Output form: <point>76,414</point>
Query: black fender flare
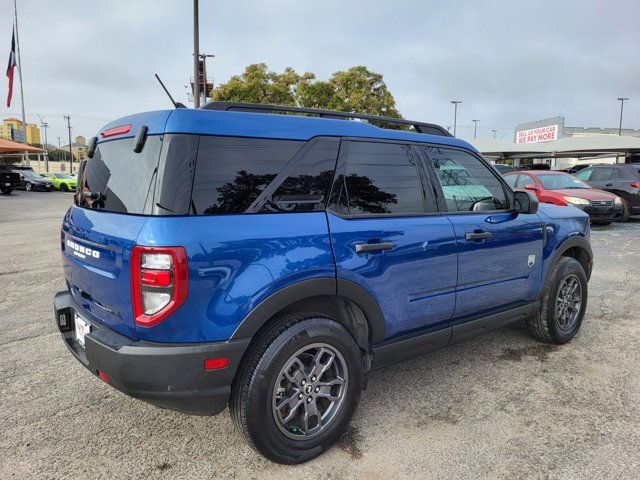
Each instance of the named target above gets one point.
<point>308,290</point>
<point>572,242</point>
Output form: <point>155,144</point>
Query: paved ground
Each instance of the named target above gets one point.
<point>500,406</point>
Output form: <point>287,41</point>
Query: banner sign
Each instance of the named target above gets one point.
<point>535,135</point>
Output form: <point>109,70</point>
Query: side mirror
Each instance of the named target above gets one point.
<point>525,202</point>
<point>531,186</point>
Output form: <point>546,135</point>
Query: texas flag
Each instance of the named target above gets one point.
<point>12,65</point>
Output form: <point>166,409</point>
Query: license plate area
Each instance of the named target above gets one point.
<point>82,329</point>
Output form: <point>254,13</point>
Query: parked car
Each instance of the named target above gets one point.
<point>560,188</point>
<point>9,181</point>
<point>621,179</point>
<point>62,181</point>
<point>30,180</point>
<point>269,262</point>
<point>575,169</point>
<point>504,168</point>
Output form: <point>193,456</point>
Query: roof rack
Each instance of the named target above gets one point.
<point>419,127</point>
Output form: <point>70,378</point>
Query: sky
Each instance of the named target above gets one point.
<point>508,61</point>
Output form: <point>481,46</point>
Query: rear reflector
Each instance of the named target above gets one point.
<point>122,129</point>
<point>635,184</point>
<point>102,376</point>
<point>216,363</point>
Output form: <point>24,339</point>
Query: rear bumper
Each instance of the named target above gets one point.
<point>166,375</point>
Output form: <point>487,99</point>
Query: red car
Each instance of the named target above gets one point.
<point>563,189</point>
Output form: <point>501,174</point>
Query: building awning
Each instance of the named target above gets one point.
<point>563,147</point>
<point>7,146</point>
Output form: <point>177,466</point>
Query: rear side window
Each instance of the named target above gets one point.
<point>119,180</point>
<point>511,179</point>
<point>380,178</point>
<point>232,172</point>
<point>600,174</point>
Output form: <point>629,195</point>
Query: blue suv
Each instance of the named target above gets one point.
<point>267,258</point>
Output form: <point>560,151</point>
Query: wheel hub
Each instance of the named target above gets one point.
<point>309,391</point>
<point>568,302</point>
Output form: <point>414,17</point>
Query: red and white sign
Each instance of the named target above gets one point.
<point>535,135</point>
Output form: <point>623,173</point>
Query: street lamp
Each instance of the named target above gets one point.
<point>44,126</point>
<point>494,133</point>
<point>475,128</point>
<point>455,114</point>
<point>622,100</point>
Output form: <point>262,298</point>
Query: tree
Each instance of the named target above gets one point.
<point>356,90</point>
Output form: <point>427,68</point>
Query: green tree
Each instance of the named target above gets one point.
<point>355,90</point>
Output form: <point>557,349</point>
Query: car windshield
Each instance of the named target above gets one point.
<point>29,174</point>
<point>561,181</point>
<point>64,176</point>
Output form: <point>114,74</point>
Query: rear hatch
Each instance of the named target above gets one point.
<point>116,189</point>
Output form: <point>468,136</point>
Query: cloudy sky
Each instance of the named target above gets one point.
<point>509,61</point>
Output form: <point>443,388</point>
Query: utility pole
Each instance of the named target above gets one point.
<point>494,133</point>
<point>68,118</point>
<point>24,120</point>
<point>64,155</point>
<point>44,126</point>
<point>196,57</point>
<point>455,114</point>
<point>475,128</point>
<point>622,100</point>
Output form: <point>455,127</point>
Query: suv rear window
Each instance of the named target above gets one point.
<point>119,180</point>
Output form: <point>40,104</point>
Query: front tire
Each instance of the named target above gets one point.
<point>298,388</point>
<point>626,210</point>
<point>64,187</point>
<point>564,302</point>
<point>28,187</point>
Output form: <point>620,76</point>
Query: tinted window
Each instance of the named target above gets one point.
<point>615,174</point>
<point>306,180</point>
<point>381,178</point>
<point>600,174</point>
<point>175,175</point>
<point>119,180</point>
<point>467,184</point>
<point>232,172</point>
<point>511,179</point>
<point>584,174</point>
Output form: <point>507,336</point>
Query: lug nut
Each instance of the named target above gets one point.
<point>300,396</point>
<point>317,389</point>
<point>304,382</point>
<point>313,379</point>
<point>309,400</point>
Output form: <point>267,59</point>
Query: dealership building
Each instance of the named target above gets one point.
<point>550,129</point>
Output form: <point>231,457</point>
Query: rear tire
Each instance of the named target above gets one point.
<point>564,302</point>
<point>6,190</point>
<point>298,387</point>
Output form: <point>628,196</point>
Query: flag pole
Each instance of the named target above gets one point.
<point>24,121</point>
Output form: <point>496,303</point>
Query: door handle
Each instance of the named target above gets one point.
<point>609,185</point>
<point>477,236</point>
<point>372,247</point>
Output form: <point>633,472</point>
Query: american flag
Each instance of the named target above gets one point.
<point>12,65</point>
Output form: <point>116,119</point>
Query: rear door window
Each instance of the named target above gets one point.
<point>119,180</point>
<point>380,178</point>
<point>601,174</point>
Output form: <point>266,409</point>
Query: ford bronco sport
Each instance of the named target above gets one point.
<point>267,258</point>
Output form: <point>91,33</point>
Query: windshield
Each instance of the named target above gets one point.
<point>29,174</point>
<point>561,181</point>
<point>64,176</point>
<point>119,180</point>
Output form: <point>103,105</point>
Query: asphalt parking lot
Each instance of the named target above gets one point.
<point>499,406</point>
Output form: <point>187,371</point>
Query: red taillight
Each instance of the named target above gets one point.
<point>216,363</point>
<point>159,283</point>
<point>635,184</point>
<point>122,129</point>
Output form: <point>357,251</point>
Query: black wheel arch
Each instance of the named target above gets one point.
<point>348,303</point>
<point>577,247</point>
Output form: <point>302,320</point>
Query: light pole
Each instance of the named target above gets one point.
<point>204,57</point>
<point>44,126</point>
<point>455,114</point>
<point>475,128</point>
<point>622,100</point>
<point>196,57</point>
<point>494,133</point>
<point>68,118</point>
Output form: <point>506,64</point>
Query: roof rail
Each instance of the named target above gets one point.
<point>419,127</point>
